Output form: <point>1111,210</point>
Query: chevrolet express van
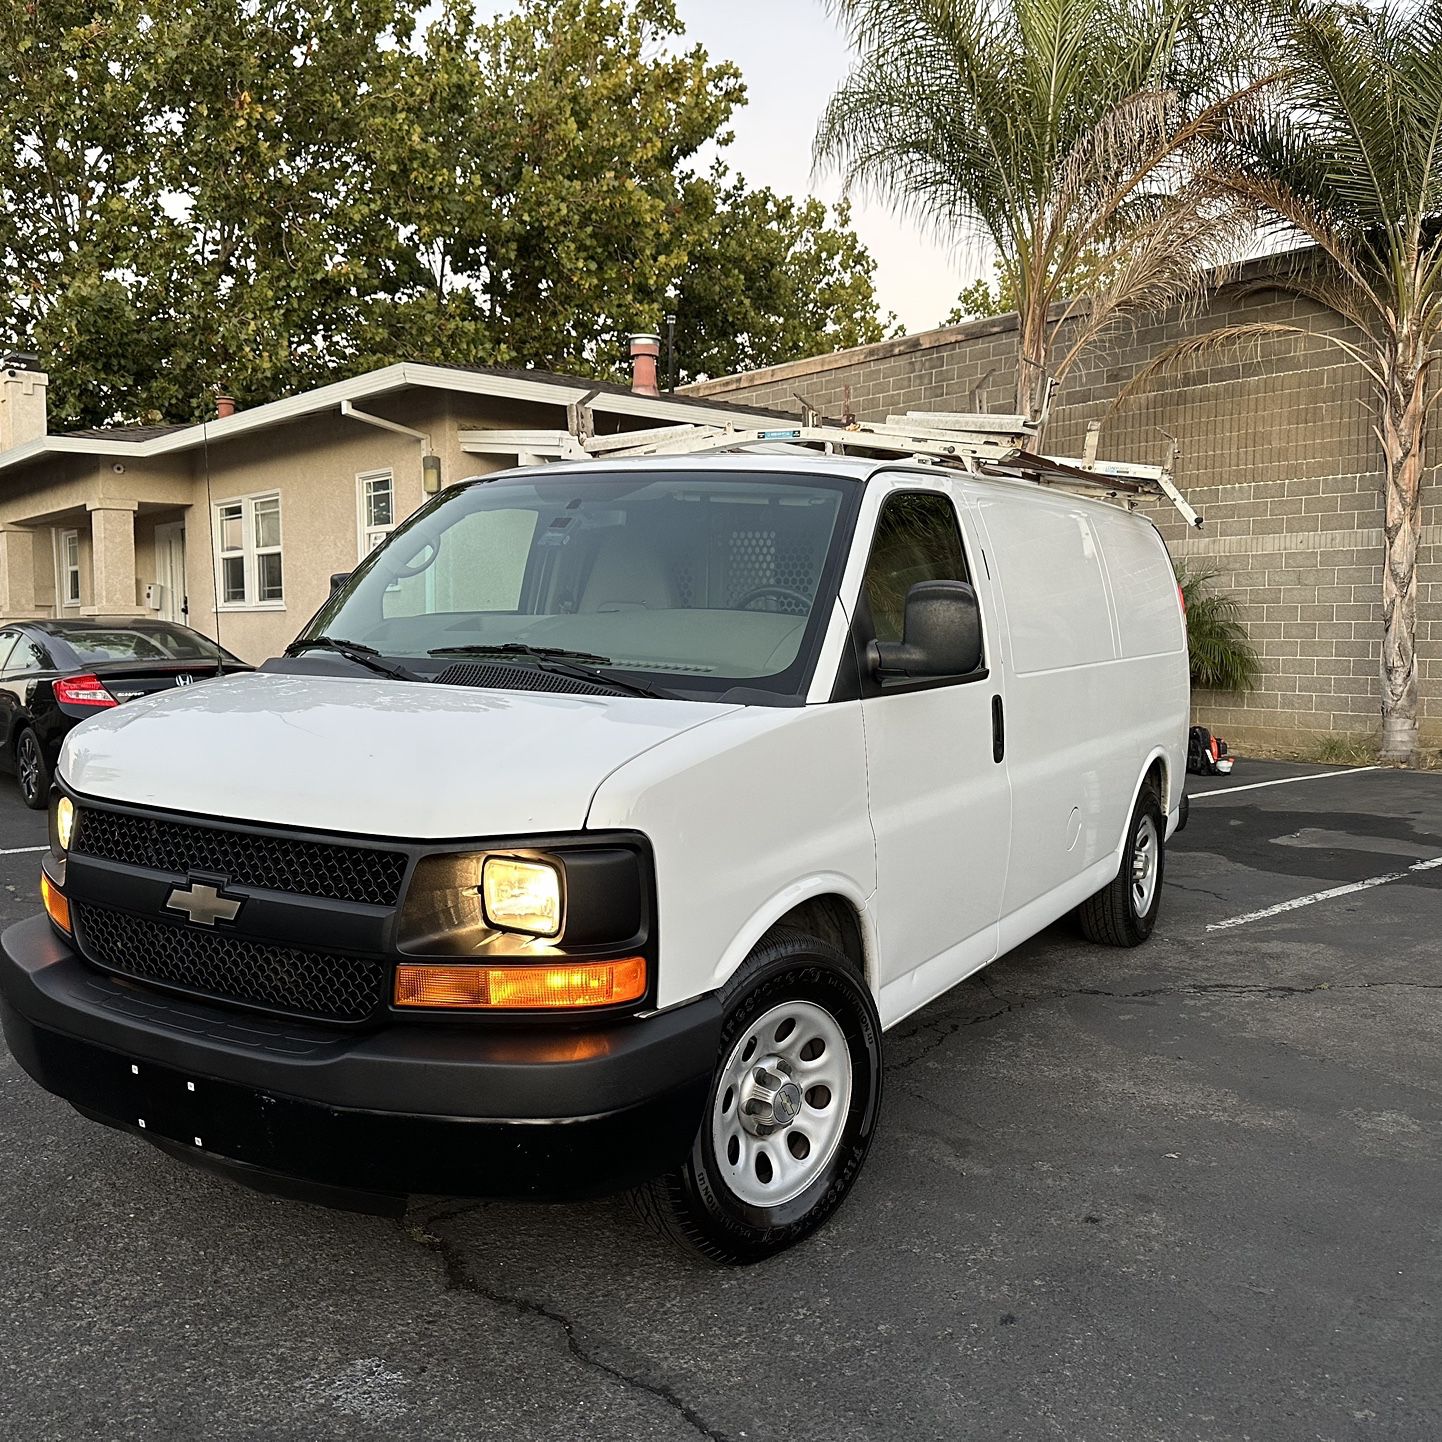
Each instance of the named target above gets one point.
<point>597,829</point>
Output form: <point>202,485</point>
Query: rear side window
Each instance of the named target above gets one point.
<point>122,643</point>
<point>27,655</point>
<point>7,644</point>
<point>917,539</point>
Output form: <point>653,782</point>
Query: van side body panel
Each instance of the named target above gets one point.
<point>1096,689</point>
<point>769,811</point>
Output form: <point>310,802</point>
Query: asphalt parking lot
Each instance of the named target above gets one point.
<point>1190,1191</point>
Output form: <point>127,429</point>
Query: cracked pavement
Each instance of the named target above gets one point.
<point>1185,1192</point>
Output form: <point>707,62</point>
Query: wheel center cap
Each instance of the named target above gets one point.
<point>787,1105</point>
<point>770,1100</point>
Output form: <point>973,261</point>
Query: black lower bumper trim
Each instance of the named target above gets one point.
<point>508,1112</point>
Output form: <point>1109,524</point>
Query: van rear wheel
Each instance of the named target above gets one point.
<point>1124,911</point>
<point>791,1111</point>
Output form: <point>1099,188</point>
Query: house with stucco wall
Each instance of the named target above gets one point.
<point>234,526</point>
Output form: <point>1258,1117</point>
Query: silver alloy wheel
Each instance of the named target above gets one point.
<point>1146,856</point>
<point>28,765</point>
<point>781,1103</point>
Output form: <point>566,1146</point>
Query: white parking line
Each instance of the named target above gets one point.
<point>23,850</point>
<point>1284,781</point>
<point>1327,895</point>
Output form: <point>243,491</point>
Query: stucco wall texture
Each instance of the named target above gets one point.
<point>1276,452</point>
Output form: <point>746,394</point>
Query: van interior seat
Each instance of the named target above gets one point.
<point>626,575</point>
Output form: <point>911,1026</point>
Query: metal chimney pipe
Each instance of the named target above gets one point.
<point>645,364</point>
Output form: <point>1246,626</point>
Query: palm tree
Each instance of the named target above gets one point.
<point>1074,135</point>
<point>1348,160</point>
<point>1221,653</point>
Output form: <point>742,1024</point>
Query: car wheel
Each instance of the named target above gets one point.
<point>32,771</point>
<point>791,1112</point>
<point>1124,911</point>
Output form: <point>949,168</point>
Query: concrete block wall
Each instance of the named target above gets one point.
<point>1276,451</point>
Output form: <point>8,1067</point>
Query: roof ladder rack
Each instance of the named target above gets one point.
<point>984,444</point>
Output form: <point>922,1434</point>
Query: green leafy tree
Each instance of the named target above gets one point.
<point>772,279</point>
<point>79,203</point>
<point>983,299</point>
<point>264,197</point>
<point>1074,135</point>
<point>1349,158</point>
<point>203,211</point>
<point>540,178</point>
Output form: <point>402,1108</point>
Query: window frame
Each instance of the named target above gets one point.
<point>369,537</point>
<point>250,551</point>
<point>863,629</point>
<point>65,569</point>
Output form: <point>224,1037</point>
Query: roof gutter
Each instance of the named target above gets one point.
<point>430,461</point>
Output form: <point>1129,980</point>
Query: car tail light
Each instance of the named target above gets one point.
<point>83,691</point>
<point>1182,600</point>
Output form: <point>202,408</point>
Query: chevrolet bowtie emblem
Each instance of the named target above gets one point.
<point>203,904</point>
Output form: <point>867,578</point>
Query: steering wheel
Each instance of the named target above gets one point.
<point>784,593</point>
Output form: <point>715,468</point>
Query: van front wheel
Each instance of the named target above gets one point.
<point>1124,911</point>
<point>792,1108</point>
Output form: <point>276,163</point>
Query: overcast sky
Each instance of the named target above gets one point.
<point>793,57</point>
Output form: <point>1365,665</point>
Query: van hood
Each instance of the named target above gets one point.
<point>370,756</point>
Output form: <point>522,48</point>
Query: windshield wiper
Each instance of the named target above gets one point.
<point>366,656</point>
<point>517,648</point>
<point>580,665</point>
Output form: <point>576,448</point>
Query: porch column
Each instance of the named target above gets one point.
<point>17,572</point>
<point>112,559</point>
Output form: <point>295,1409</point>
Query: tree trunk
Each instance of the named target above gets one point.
<point>1403,433</point>
<point>1032,380</point>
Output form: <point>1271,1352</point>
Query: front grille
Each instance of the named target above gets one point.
<point>249,858</point>
<point>319,984</point>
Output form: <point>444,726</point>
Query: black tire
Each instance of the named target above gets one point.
<point>1115,915</point>
<point>32,770</point>
<point>694,1205</point>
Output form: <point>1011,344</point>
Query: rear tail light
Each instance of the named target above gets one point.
<point>83,691</point>
<point>1182,599</point>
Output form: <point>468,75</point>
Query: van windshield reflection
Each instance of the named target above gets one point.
<point>694,583</point>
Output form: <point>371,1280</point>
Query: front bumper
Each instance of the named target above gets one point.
<point>505,1110</point>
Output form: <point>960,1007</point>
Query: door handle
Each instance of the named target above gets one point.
<point>998,730</point>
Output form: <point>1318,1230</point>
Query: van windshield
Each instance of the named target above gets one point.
<point>696,583</point>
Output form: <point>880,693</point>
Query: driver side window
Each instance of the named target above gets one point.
<point>917,539</point>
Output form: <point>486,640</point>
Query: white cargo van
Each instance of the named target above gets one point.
<point>600,825</point>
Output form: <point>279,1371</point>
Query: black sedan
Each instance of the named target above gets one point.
<point>55,674</point>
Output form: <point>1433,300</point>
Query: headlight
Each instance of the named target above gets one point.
<point>64,822</point>
<point>522,895</point>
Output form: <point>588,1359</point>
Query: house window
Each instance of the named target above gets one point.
<point>376,494</point>
<point>248,563</point>
<point>70,568</point>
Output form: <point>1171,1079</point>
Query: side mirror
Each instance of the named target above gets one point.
<point>338,580</point>
<point>941,635</point>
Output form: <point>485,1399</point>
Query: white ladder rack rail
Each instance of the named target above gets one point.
<point>983,444</point>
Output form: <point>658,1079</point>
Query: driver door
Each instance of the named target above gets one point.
<point>940,798</point>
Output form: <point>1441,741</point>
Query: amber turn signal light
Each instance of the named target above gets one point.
<point>56,904</point>
<point>522,988</point>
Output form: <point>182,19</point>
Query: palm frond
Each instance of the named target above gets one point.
<point>1221,653</point>
<point>1232,336</point>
